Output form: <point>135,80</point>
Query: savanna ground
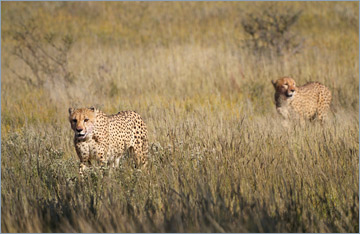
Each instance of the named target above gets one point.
<point>220,162</point>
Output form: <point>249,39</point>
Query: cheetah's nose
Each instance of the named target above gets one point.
<point>292,90</point>
<point>79,129</point>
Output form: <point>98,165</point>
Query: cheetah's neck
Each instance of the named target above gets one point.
<point>283,101</point>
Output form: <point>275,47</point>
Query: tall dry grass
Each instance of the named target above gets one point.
<point>219,160</point>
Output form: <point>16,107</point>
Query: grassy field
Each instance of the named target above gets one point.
<point>220,162</point>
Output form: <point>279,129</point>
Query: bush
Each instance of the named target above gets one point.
<point>269,32</point>
<point>43,53</point>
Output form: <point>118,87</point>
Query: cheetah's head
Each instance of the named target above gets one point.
<point>285,86</point>
<point>82,121</point>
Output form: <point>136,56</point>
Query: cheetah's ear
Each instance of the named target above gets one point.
<point>92,108</point>
<point>71,110</point>
<point>274,83</point>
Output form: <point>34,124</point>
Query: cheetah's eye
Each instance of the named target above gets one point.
<point>74,120</point>
<point>85,120</point>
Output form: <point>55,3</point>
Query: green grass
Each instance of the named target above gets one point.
<point>220,162</point>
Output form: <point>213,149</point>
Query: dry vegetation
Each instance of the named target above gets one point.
<point>220,162</point>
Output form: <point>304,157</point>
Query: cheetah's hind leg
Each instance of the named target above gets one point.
<point>324,107</point>
<point>133,154</point>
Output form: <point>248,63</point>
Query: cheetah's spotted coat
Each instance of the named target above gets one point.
<point>106,137</point>
<point>304,102</point>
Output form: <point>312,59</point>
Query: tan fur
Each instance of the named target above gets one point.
<point>106,137</point>
<point>304,102</point>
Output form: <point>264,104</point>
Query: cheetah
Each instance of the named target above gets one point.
<point>105,138</point>
<point>304,102</point>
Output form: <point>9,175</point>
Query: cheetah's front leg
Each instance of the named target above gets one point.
<point>84,155</point>
<point>83,167</point>
<point>101,155</point>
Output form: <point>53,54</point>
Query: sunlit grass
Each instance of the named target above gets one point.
<point>220,162</point>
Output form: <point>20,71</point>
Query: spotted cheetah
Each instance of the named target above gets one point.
<point>304,102</point>
<point>105,138</point>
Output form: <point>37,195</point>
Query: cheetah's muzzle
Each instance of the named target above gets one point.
<point>81,135</point>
